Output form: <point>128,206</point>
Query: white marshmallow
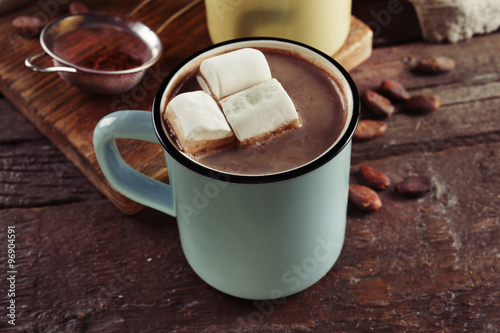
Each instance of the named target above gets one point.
<point>198,122</point>
<point>260,110</point>
<point>234,71</point>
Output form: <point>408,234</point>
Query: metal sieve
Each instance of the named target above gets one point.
<point>101,53</point>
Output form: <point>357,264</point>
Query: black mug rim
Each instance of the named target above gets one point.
<point>253,179</point>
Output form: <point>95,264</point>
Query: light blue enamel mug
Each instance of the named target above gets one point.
<point>250,236</point>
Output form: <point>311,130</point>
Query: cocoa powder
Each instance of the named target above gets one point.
<point>111,60</point>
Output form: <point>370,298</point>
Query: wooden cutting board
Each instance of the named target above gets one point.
<point>68,116</point>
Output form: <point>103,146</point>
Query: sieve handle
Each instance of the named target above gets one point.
<point>29,63</point>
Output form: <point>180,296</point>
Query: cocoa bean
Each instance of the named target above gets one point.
<point>77,7</point>
<point>369,129</point>
<point>374,178</point>
<point>394,90</point>
<point>423,103</point>
<point>435,65</point>
<point>414,186</point>
<point>364,198</point>
<point>28,26</point>
<point>377,103</point>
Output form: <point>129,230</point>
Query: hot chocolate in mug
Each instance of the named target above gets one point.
<point>254,236</point>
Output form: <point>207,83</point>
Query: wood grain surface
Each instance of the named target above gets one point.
<point>469,97</point>
<point>429,264</point>
<point>68,116</point>
<point>415,265</point>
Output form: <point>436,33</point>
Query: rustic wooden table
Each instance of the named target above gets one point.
<point>427,264</point>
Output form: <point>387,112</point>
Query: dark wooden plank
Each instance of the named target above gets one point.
<point>32,171</point>
<point>470,94</point>
<point>14,127</point>
<point>37,174</point>
<point>415,265</point>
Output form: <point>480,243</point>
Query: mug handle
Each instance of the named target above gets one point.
<point>138,125</point>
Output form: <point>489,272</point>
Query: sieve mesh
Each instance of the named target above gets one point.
<point>109,53</point>
<point>77,38</point>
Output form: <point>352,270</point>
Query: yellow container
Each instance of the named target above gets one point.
<point>323,24</point>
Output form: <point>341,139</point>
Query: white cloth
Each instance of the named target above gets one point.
<point>456,20</point>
